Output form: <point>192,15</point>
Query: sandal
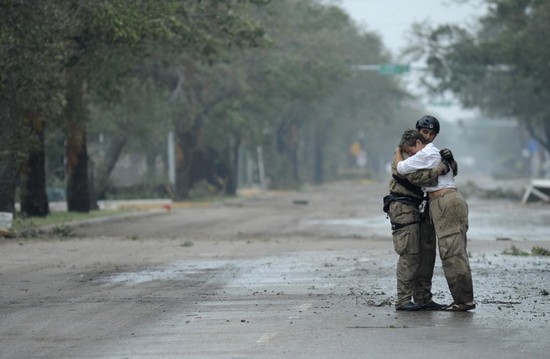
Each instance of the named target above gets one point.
<point>455,307</point>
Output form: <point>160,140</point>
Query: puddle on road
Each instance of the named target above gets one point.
<point>143,276</point>
<point>177,271</point>
<point>373,226</point>
<point>488,221</point>
<point>273,272</point>
<point>266,271</point>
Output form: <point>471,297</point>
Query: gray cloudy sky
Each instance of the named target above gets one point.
<point>392,19</point>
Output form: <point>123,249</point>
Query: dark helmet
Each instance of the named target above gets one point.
<point>429,122</point>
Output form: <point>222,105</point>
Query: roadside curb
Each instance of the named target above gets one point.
<point>106,219</point>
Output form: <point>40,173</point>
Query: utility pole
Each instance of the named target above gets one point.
<point>171,163</point>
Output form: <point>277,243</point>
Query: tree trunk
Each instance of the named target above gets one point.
<point>319,159</point>
<point>114,150</point>
<point>34,198</point>
<point>9,172</point>
<point>78,192</point>
<point>187,145</point>
<point>287,172</point>
<point>233,169</point>
<point>293,141</point>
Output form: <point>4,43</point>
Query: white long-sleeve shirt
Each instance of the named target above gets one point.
<point>428,157</point>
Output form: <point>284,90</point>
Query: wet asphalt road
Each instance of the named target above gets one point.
<point>336,305</point>
<point>286,283</point>
<point>320,304</point>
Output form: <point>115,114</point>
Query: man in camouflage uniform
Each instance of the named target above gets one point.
<point>449,213</point>
<point>412,230</point>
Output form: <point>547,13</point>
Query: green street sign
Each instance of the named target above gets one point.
<point>393,69</point>
<point>441,103</point>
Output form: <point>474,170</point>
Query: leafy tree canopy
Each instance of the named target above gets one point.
<point>501,65</point>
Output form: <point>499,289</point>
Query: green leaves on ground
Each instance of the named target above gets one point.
<point>535,251</point>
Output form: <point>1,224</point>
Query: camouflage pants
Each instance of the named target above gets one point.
<point>450,216</point>
<point>416,246</point>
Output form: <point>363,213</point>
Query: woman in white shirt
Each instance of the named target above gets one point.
<point>449,212</point>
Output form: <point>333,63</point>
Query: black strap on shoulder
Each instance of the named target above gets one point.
<point>408,185</point>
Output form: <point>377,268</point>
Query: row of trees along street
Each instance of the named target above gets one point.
<point>84,82</point>
<point>500,64</point>
<point>221,75</point>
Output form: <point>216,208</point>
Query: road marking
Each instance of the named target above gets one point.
<point>301,308</point>
<point>266,337</point>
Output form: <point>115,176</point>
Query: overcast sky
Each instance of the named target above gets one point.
<point>392,20</point>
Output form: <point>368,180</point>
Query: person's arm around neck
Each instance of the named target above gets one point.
<point>398,155</point>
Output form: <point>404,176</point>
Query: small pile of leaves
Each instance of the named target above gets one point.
<point>539,251</point>
<point>535,251</point>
